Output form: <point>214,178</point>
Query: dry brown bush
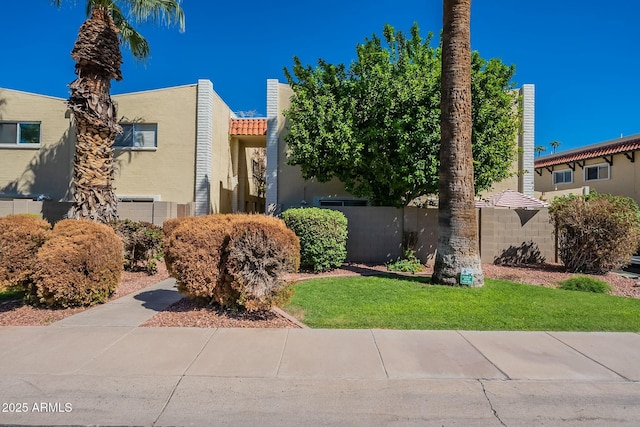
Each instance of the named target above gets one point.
<point>20,238</point>
<point>260,252</point>
<point>79,265</point>
<point>234,260</point>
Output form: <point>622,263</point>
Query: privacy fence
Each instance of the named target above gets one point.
<point>376,234</point>
<point>153,212</point>
<point>379,234</point>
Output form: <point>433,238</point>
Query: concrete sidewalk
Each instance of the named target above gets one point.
<point>100,368</point>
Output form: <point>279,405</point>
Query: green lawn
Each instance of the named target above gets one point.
<point>412,303</point>
<point>10,293</point>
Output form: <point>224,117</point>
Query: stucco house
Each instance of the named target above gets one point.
<point>180,144</point>
<point>184,145</point>
<point>606,167</point>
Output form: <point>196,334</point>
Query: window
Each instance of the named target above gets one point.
<point>596,172</point>
<point>338,202</point>
<point>563,177</point>
<point>19,133</point>
<point>137,135</point>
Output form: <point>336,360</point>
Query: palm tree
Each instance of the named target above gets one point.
<point>539,150</point>
<point>457,227</point>
<point>98,59</point>
<point>554,145</point>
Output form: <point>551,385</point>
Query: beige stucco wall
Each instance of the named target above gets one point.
<point>168,171</point>
<point>221,170</point>
<point>624,179</point>
<point>37,170</point>
<point>292,189</point>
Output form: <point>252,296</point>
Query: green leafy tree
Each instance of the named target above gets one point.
<point>375,125</point>
<point>554,146</point>
<point>98,59</point>
<point>540,149</point>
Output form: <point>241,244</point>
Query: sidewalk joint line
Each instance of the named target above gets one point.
<point>588,357</point>
<point>184,374</point>
<point>484,355</point>
<point>379,354</point>
<point>284,346</point>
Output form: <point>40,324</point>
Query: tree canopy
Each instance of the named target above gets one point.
<point>375,125</point>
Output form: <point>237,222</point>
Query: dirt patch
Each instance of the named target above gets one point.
<point>14,313</point>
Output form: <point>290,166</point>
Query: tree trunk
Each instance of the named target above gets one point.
<point>98,59</point>
<point>457,222</point>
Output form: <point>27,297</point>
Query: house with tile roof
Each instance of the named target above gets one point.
<point>606,167</point>
<point>180,144</point>
<point>184,145</point>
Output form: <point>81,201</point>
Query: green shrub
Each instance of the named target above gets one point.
<point>142,242</point>
<point>585,284</point>
<point>20,238</point>
<point>322,234</point>
<point>409,264</point>
<point>233,260</point>
<point>596,233</point>
<point>79,265</point>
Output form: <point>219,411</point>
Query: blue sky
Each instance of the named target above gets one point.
<point>583,56</point>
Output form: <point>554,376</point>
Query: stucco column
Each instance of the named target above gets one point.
<point>234,179</point>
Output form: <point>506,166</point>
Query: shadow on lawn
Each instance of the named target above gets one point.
<point>367,271</point>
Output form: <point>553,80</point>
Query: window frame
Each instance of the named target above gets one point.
<point>133,133</point>
<point>563,171</point>
<point>18,132</point>
<point>598,166</point>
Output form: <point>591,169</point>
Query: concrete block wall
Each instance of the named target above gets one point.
<point>153,212</point>
<point>376,234</point>
<point>516,235</point>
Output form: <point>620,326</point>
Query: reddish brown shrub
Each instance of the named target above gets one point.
<point>20,238</point>
<point>235,260</point>
<point>79,265</point>
<point>193,250</point>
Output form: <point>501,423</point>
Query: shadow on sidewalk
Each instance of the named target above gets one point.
<point>158,299</point>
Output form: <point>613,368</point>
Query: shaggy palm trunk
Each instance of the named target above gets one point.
<point>98,59</point>
<point>457,223</point>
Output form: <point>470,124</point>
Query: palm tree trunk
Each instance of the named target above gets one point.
<point>457,222</point>
<point>98,59</point>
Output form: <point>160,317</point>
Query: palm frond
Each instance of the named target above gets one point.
<point>167,12</point>
<point>129,37</point>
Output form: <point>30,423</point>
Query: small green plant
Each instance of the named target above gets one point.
<point>408,264</point>
<point>322,234</point>
<point>142,242</point>
<point>585,284</point>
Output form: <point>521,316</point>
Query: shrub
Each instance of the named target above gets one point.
<point>322,234</point>
<point>142,242</point>
<point>79,265</point>
<point>409,264</point>
<point>585,284</point>
<point>234,260</point>
<point>260,251</point>
<point>20,238</point>
<point>596,233</point>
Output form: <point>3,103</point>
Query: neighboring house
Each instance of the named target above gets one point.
<point>607,167</point>
<point>184,145</point>
<point>286,188</point>
<point>180,144</point>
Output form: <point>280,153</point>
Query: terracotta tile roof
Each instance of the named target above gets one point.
<point>617,146</point>
<point>512,199</point>
<point>248,127</point>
